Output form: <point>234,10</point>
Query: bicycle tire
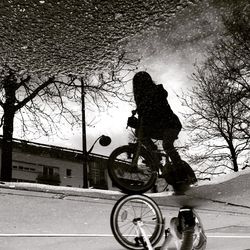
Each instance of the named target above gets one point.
<point>130,207</point>
<point>125,177</point>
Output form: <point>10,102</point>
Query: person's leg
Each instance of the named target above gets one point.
<point>169,169</point>
<point>187,224</point>
<point>180,175</point>
<point>151,147</point>
<point>149,144</point>
<point>169,136</point>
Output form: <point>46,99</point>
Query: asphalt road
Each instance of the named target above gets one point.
<point>36,221</point>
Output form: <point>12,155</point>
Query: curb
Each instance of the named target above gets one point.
<point>60,190</point>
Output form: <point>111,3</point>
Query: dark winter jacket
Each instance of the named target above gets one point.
<point>155,111</point>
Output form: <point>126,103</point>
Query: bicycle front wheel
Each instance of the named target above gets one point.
<point>132,177</point>
<point>133,208</point>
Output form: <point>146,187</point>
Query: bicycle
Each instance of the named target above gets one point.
<point>137,223</point>
<point>133,168</point>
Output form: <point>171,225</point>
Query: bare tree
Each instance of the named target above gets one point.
<point>231,54</point>
<point>219,102</point>
<point>42,103</point>
<point>215,120</point>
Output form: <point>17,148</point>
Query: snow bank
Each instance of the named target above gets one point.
<point>54,189</point>
<point>94,192</point>
<point>224,178</point>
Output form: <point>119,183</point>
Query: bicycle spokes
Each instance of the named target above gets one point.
<point>132,172</point>
<point>137,222</point>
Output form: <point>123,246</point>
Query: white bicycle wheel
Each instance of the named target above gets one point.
<point>129,209</point>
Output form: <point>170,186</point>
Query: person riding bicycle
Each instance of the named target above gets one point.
<point>181,232</point>
<point>158,121</point>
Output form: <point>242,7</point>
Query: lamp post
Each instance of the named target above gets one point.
<point>103,140</point>
<point>84,140</point>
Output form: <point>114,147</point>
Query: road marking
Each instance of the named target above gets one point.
<point>109,235</point>
<point>56,235</point>
<point>230,236</point>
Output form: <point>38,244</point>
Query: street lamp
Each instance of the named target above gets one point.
<point>84,141</point>
<point>103,139</point>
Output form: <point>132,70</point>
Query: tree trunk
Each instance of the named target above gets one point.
<point>234,157</point>
<point>235,164</point>
<point>6,160</point>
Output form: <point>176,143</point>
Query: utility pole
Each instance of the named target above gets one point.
<point>84,140</point>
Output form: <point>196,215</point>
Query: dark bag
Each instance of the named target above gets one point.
<point>133,122</point>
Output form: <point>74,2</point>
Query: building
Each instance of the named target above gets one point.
<point>35,162</point>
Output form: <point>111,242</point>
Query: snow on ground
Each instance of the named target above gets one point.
<point>224,178</point>
<point>54,189</point>
<point>90,191</point>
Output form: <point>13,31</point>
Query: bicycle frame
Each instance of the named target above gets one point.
<point>139,139</point>
<point>141,233</point>
<point>154,155</point>
<point>138,145</point>
<point>138,149</point>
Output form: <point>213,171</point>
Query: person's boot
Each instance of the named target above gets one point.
<point>185,177</point>
<point>180,175</point>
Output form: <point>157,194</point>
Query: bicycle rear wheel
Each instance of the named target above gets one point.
<point>131,208</point>
<point>129,177</point>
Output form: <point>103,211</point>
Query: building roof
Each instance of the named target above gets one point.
<point>50,150</point>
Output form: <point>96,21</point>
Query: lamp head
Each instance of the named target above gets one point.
<point>104,140</point>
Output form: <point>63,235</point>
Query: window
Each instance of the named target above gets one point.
<point>97,175</point>
<point>22,168</point>
<point>50,170</point>
<point>68,173</point>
